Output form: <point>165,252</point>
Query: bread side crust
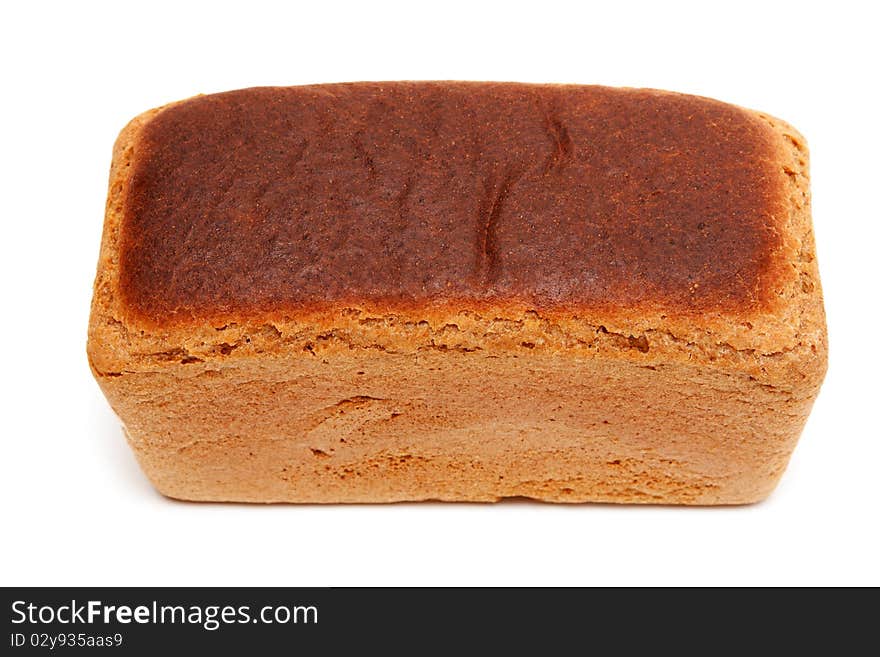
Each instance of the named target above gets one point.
<point>109,340</point>
<point>458,426</point>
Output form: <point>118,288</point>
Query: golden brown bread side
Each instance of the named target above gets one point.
<point>464,291</point>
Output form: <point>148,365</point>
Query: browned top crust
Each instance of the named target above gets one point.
<point>572,197</point>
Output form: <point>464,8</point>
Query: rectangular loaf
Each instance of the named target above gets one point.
<point>377,292</point>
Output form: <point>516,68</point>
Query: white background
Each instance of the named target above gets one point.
<point>75,507</point>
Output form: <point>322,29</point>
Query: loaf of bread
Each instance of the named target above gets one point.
<point>378,292</point>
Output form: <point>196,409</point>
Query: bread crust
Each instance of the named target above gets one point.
<point>742,363</point>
